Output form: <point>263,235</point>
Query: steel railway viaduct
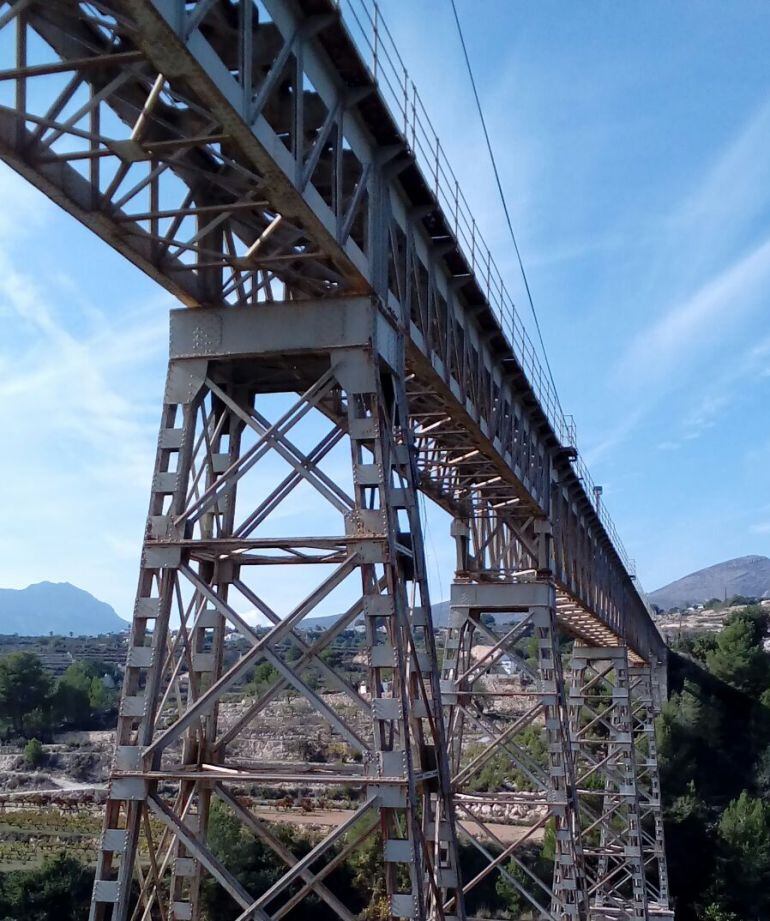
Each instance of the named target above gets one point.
<point>269,162</point>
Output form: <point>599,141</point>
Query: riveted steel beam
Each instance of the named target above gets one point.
<point>215,444</point>
<point>246,161</point>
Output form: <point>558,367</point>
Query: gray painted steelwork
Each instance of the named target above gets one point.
<point>246,157</point>
<point>287,172</point>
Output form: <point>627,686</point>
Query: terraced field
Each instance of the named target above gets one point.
<point>30,833</point>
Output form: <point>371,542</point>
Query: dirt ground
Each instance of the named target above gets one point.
<point>329,818</point>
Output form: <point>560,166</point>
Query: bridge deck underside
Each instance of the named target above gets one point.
<point>242,152</point>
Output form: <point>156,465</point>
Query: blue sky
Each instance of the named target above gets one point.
<point>633,143</point>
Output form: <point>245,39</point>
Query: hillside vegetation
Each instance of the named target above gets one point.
<point>33,704</point>
<point>714,741</point>
<point>714,744</point>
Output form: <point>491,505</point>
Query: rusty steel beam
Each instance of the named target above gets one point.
<point>280,177</point>
<point>274,196</point>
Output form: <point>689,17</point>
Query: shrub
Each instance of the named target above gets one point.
<point>33,753</point>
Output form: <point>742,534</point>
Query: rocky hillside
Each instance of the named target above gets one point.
<point>746,575</point>
<point>55,607</point>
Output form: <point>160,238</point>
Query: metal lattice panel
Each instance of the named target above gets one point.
<point>206,545</point>
<point>244,155</point>
<point>646,699</point>
<point>601,731</point>
<point>242,152</point>
<point>474,711</point>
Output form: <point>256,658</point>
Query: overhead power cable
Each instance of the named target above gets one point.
<point>505,203</point>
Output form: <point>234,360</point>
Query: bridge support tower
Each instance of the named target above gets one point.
<point>265,411</point>
<point>601,728</point>
<point>648,691</point>
<point>505,704</point>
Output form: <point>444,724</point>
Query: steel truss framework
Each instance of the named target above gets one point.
<point>205,548</point>
<point>208,540</point>
<point>241,154</point>
<point>611,707</point>
<point>648,690</point>
<point>473,707</point>
<point>598,725</point>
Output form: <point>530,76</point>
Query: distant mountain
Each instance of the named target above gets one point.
<point>55,607</point>
<point>440,613</point>
<point>746,575</point>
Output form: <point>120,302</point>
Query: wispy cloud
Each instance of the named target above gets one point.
<point>679,347</point>
<point>723,387</point>
<point>613,437</point>
<point>78,375</point>
<point>718,293</point>
<point>78,401</point>
<point>721,209</point>
<point>699,324</point>
<point>20,198</point>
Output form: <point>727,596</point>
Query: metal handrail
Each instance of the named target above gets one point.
<point>371,34</point>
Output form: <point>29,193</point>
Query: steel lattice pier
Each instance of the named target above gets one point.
<point>270,164</point>
<point>207,544</point>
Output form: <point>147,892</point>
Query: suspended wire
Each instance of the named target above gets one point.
<point>505,203</point>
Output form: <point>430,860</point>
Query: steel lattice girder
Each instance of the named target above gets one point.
<point>601,733</point>
<point>239,152</point>
<point>477,707</point>
<point>646,685</point>
<point>205,546</point>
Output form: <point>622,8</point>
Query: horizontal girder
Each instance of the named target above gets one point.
<point>242,152</point>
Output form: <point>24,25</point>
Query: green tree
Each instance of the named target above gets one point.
<point>738,600</point>
<point>81,696</point>
<point>262,678</point>
<point>680,732</point>
<point>704,644</point>
<point>715,912</point>
<point>714,751</point>
<point>762,774</point>
<point>739,657</point>
<point>25,689</point>
<point>368,874</point>
<point>71,703</point>
<point>33,753</point>
<point>517,886</point>
<point>744,857</point>
<point>100,697</point>
<point>690,851</point>
<point>253,863</point>
<point>60,889</point>
<point>507,888</point>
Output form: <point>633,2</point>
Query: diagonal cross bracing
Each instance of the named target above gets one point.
<point>480,695</point>
<point>244,155</point>
<point>212,156</point>
<point>174,743</point>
